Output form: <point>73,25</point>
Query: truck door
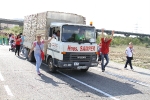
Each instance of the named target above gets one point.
<point>54,45</point>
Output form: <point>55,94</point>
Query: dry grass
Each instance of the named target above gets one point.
<point>141,57</point>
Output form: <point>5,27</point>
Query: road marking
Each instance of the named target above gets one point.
<point>8,90</point>
<point>100,91</point>
<point>1,77</point>
<point>125,78</point>
<point>129,79</point>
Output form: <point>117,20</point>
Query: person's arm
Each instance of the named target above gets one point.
<point>102,33</point>
<point>18,39</point>
<point>46,41</point>
<point>126,52</point>
<point>31,50</point>
<point>112,34</point>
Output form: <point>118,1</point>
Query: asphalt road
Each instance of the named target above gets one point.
<point>19,81</point>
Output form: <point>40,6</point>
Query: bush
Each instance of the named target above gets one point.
<point>118,40</point>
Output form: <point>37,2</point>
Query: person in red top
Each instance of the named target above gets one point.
<point>105,49</point>
<point>18,41</point>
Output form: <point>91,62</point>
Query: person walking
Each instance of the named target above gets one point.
<point>129,56</point>
<point>1,39</point>
<point>18,41</point>
<point>99,53</point>
<point>21,44</point>
<point>38,45</point>
<point>105,49</point>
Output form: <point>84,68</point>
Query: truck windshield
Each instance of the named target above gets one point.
<point>74,33</point>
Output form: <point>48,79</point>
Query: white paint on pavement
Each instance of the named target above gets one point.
<point>129,79</point>
<point>8,90</point>
<point>100,91</point>
<point>125,78</point>
<point>1,77</point>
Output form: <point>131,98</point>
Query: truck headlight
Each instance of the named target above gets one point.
<point>64,64</point>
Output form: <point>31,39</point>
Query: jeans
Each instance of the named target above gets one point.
<point>107,60</point>
<point>129,61</point>
<point>38,61</point>
<point>22,48</point>
<point>17,49</point>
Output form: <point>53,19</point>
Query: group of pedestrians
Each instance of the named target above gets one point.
<point>4,38</point>
<point>103,51</point>
<point>17,43</point>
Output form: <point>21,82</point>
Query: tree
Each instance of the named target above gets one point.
<point>17,29</point>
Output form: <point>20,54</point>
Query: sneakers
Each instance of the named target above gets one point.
<point>132,69</point>
<point>39,73</point>
<point>125,68</point>
<point>103,70</point>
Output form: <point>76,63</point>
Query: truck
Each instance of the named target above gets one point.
<point>63,51</point>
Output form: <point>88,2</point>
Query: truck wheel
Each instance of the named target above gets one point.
<point>51,66</point>
<point>25,52</point>
<point>84,70</point>
<point>31,58</point>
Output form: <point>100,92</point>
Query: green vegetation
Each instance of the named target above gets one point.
<point>120,41</point>
<point>15,30</point>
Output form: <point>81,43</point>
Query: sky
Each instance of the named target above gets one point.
<point>119,15</point>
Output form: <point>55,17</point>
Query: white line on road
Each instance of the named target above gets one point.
<point>129,79</point>
<point>100,91</point>
<point>1,77</point>
<point>8,90</point>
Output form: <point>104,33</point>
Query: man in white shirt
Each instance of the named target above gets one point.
<point>129,55</point>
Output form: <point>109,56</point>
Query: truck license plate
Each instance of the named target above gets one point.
<point>76,63</point>
<point>81,67</point>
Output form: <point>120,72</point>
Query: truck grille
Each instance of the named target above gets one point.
<point>78,57</point>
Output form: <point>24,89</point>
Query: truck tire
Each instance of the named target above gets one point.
<point>31,58</point>
<point>51,66</point>
<point>25,50</point>
<point>84,70</point>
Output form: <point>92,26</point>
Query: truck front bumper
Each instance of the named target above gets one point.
<point>77,65</point>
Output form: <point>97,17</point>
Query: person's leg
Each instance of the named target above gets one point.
<point>22,50</point>
<point>99,59</point>
<point>130,63</point>
<point>102,62</point>
<point>38,62</point>
<point>0,41</point>
<point>107,59</point>
<point>126,62</point>
<point>18,49</point>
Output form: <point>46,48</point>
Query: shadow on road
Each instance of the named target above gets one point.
<point>20,57</point>
<point>134,70</point>
<point>45,78</point>
<point>142,73</point>
<point>99,81</point>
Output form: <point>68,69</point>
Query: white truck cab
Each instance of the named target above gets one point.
<point>67,51</point>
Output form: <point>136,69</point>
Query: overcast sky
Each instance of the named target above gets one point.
<point>120,15</point>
